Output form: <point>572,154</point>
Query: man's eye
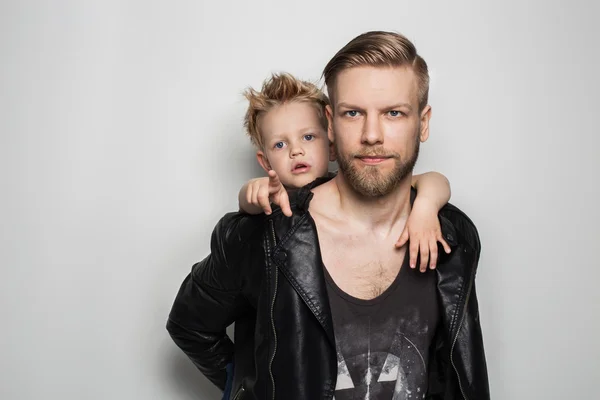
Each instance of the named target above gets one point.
<point>308,138</point>
<point>279,145</point>
<point>351,113</point>
<point>395,113</point>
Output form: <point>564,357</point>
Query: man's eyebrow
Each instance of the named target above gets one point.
<point>401,105</point>
<point>353,107</point>
<point>347,105</point>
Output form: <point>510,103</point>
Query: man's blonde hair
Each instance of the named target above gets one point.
<point>277,90</point>
<point>379,49</point>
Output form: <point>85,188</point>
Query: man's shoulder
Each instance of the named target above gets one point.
<point>458,227</point>
<point>238,227</point>
<point>242,227</point>
<point>300,198</point>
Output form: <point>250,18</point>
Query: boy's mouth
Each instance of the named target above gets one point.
<point>300,168</point>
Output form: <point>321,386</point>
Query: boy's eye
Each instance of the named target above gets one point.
<point>308,138</point>
<point>279,145</point>
<point>351,113</point>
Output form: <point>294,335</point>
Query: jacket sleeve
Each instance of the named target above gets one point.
<point>209,300</point>
<point>468,348</point>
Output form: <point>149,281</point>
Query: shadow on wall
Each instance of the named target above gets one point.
<point>187,381</point>
<point>181,378</point>
<point>184,378</point>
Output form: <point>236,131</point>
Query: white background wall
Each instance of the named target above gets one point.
<point>122,144</point>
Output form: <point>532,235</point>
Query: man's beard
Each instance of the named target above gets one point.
<point>368,180</point>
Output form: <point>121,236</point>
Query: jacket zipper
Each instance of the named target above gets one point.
<point>272,318</point>
<point>462,319</point>
<point>239,393</point>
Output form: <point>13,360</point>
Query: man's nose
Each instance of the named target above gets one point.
<point>372,133</point>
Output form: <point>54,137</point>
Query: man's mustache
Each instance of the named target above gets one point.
<point>375,152</point>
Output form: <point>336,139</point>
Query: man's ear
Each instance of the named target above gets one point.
<point>263,160</point>
<point>425,117</point>
<point>329,115</point>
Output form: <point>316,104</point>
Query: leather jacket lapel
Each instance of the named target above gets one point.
<point>298,257</point>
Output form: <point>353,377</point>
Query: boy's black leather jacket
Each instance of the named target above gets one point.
<point>264,273</point>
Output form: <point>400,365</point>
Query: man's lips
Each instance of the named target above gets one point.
<point>373,160</point>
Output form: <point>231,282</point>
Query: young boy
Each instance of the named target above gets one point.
<point>287,124</point>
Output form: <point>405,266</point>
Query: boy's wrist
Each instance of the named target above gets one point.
<point>427,204</point>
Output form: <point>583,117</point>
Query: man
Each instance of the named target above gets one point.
<point>323,301</point>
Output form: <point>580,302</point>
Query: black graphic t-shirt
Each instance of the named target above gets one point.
<point>383,343</point>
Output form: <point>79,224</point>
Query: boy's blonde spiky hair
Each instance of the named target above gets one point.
<point>279,89</point>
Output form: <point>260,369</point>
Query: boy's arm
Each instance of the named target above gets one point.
<point>256,195</point>
<point>423,227</point>
<point>209,300</point>
<point>433,189</point>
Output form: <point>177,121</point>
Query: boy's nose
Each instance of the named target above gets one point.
<point>296,151</point>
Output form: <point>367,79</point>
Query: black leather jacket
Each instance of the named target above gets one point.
<point>264,273</point>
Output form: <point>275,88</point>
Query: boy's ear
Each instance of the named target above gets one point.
<point>263,161</point>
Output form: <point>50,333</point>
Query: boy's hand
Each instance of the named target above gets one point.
<point>262,191</point>
<point>424,231</point>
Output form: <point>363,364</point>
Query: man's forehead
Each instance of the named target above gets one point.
<point>385,83</point>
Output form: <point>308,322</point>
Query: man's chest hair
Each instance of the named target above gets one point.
<point>362,268</point>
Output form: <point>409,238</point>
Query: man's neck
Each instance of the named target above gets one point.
<point>374,213</point>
